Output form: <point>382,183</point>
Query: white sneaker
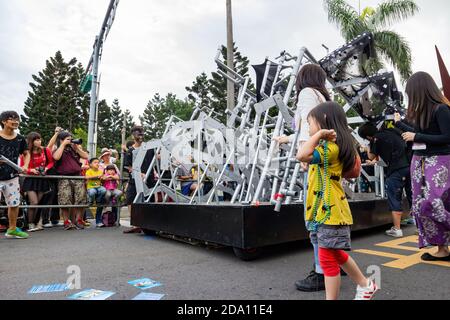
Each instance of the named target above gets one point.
<point>393,232</point>
<point>100,225</point>
<point>39,226</point>
<point>367,292</point>
<point>48,225</point>
<point>32,227</point>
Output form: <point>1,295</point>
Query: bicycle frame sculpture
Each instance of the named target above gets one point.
<point>240,158</point>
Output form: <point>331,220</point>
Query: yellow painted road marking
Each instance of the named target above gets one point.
<point>380,253</point>
<point>397,244</point>
<point>403,261</point>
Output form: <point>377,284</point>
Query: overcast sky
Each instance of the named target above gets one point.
<point>161,46</point>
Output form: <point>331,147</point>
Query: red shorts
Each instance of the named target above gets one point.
<point>331,260</point>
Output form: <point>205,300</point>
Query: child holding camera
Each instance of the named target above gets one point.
<point>40,161</point>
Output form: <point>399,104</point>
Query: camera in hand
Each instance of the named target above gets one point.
<point>77,141</point>
<point>41,171</point>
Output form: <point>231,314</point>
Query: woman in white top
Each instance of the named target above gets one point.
<point>311,91</point>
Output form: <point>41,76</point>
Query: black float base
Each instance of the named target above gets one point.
<point>245,227</point>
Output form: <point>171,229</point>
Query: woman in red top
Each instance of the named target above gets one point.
<point>41,161</point>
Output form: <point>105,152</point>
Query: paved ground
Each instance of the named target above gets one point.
<point>109,259</point>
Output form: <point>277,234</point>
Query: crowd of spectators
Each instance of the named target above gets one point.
<point>60,174</point>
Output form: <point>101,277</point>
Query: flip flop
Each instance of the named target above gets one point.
<point>429,257</point>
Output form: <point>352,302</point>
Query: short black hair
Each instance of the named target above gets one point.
<point>111,167</point>
<point>6,115</point>
<point>367,130</point>
<point>92,160</point>
<point>137,128</point>
<point>63,135</point>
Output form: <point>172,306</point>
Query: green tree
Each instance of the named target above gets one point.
<point>154,116</point>
<point>389,45</point>
<point>180,108</point>
<point>218,84</point>
<point>105,137</point>
<point>158,112</point>
<point>130,123</point>
<point>199,93</point>
<point>117,123</point>
<point>116,120</point>
<point>212,92</point>
<point>80,133</point>
<point>54,99</point>
<point>83,100</point>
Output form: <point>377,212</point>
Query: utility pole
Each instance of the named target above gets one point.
<point>92,68</point>
<point>92,128</point>
<point>230,55</point>
<point>124,133</point>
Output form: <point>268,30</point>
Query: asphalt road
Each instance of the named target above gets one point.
<point>108,259</point>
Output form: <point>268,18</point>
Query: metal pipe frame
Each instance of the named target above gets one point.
<point>277,130</point>
<point>256,182</point>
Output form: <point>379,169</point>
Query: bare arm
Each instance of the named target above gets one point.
<point>95,177</point>
<point>370,155</point>
<point>305,154</point>
<point>26,160</point>
<point>83,154</point>
<point>52,141</point>
<point>59,152</point>
<point>107,177</point>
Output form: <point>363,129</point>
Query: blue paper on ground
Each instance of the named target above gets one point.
<point>144,283</point>
<point>148,296</point>
<point>56,287</point>
<point>92,294</point>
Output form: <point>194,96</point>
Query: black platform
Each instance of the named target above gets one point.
<point>245,226</point>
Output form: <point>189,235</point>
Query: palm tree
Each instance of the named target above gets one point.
<point>389,45</point>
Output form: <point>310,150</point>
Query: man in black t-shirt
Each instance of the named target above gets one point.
<point>390,147</point>
<point>138,135</point>
<point>12,145</point>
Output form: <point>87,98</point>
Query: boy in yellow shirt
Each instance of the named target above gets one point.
<point>95,190</point>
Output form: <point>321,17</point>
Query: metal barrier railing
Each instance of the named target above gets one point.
<point>87,205</point>
<point>61,177</point>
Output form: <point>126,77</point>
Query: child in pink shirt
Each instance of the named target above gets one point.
<point>110,182</point>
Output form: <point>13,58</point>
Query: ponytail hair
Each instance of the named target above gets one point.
<point>331,116</point>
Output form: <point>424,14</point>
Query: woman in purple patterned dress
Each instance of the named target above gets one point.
<point>429,113</point>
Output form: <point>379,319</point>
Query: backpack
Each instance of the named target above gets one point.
<point>109,219</point>
<point>354,172</point>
